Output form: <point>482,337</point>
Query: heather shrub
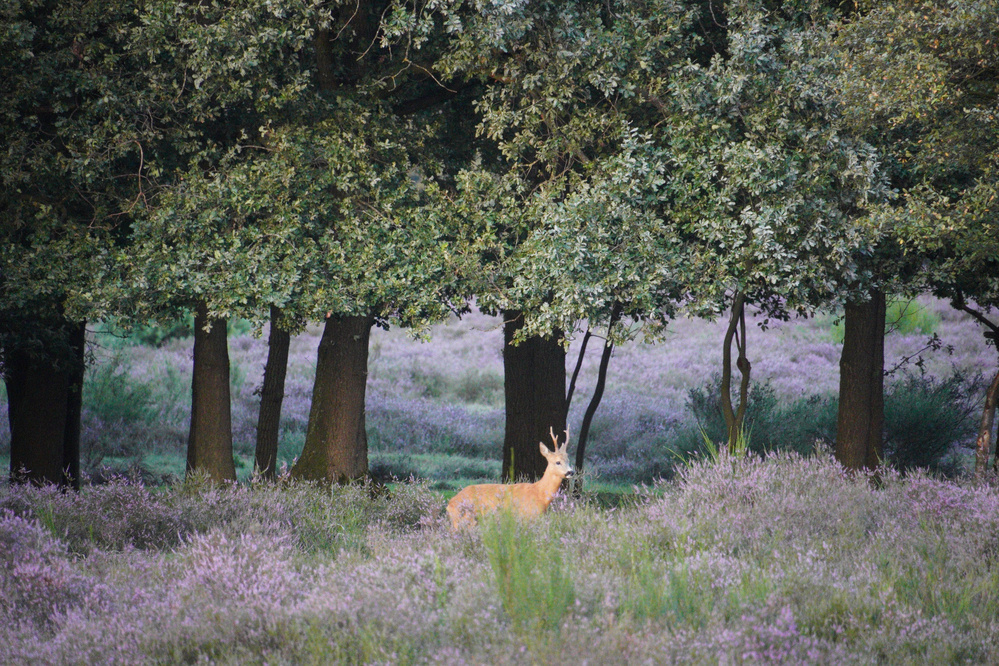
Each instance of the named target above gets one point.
<point>124,514</point>
<point>469,384</point>
<point>118,515</point>
<point>427,426</point>
<point>37,580</point>
<point>634,441</point>
<point>771,559</point>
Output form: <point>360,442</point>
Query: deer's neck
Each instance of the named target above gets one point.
<point>548,484</point>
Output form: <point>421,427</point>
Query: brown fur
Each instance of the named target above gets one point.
<point>528,500</point>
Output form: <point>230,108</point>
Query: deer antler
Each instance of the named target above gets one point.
<point>551,430</point>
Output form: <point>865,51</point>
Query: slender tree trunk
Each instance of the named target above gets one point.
<point>209,442</point>
<point>860,422</point>
<point>336,444</point>
<point>575,373</point>
<point>74,406</point>
<point>736,332</point>
<point>983,445</point>
<point>534,387</point>
<point>44,405</point>
<point>598,394</point>
<point>271,397</point>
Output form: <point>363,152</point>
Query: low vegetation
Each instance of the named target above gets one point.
<point>780,559</point>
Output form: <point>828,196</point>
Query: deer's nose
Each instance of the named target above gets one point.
<point>569,473</point>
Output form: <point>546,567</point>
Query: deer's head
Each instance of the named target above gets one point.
<point>558,460</point>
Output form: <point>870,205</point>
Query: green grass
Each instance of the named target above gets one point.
<point>442,469</point>
<point>901,316</point>
<point>533,579</point>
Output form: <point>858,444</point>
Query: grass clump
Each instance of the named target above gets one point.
<point>533,580</point>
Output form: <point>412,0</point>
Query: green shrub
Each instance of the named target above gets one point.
<point>770,424</point>
<point>480,386</point>
<point>432,384</point>
<point>113,396</point>
<point>925,418</point>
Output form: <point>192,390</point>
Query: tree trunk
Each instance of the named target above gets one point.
<point>74,406</point>
<point>336,444</point>
<point>271,397</point>
<point>575,373</point>
<point>983,445</point>
<point>860,422</point>
<point>534,387</point>
<point>209,443</point>
<point>735,417</point>
<point>44,404</point>
<point>598,394</point>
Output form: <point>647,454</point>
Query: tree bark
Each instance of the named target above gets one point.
<point>271,397</point>
<point>336,444</point>
<point>44,398</point>
<point>983,444</point>
<point>736,332</point>
<point>534,387</point>
<point>860,421</point>
<point>209,442</point>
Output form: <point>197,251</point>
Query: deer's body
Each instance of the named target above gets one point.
<point>528,500</point>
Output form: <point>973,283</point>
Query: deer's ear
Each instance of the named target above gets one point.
<point>544,450</point>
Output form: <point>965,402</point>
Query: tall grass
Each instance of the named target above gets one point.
<point>532,579</point>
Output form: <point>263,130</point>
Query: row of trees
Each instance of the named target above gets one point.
<point>383,162</point>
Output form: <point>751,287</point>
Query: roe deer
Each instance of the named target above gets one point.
<point>526,499</point>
